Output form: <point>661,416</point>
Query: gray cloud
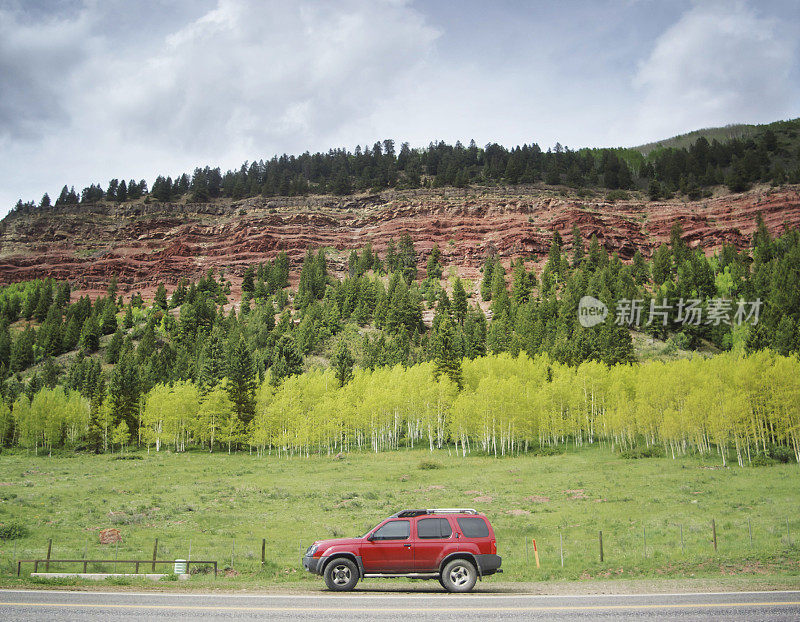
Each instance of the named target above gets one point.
<point>36,61</point>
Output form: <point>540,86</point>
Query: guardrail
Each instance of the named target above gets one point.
<point>86,562</point>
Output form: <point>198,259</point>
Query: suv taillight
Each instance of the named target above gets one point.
<point>494,547</point>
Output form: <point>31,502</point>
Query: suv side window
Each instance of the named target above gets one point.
<point>473,527</point>
<point>434,528</point>
<point>393,530</point>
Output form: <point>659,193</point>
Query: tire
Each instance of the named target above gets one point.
<point>341,575</point>
<point>459,575</point>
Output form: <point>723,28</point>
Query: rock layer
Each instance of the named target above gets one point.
<point>143,243</point>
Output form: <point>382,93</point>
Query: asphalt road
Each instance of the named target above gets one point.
<point>22,606</point>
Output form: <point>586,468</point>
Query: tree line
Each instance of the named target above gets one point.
<point>771,154</point>
<point>372,320</point>
<point>743,408</point>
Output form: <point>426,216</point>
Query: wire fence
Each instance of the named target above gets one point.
<point>565,550</point>
<point>625,545</point>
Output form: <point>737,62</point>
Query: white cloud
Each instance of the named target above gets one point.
<point>720,63</point>
<point>246,79</point>
<point>110,88</point>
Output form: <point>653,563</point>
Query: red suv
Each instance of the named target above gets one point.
<point>456,546</point>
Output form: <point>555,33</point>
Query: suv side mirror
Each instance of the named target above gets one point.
<point>370,537</point>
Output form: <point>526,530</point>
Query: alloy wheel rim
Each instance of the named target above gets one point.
<point>341,575</point>
<point>459,575</point>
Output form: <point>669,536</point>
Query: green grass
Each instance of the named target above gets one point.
<point>210,500</point>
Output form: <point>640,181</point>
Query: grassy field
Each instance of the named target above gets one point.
<point>222,506</point>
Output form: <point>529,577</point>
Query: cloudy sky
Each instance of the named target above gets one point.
<point>95,89</point>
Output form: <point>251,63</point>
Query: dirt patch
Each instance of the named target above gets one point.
<point>576,494</point>
<point>429,488</point>
<point>537,499</point>
<point>110,536</point>
<point>484,499</point>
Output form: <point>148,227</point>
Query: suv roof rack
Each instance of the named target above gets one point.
<point>412,513</point>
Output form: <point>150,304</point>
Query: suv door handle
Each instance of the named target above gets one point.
<point>407,545</point>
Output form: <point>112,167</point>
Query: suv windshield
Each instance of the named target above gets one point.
<point>393,530</point>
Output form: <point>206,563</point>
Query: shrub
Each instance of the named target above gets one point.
<point>427,465</point>
<point>761,460</point>
<point>781,454</point>
<point>636,453</point>
<point>13,531</point>
<point>617,195</point>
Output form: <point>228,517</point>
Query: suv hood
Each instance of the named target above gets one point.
<point>325,544</point>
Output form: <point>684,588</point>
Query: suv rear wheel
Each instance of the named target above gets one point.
<point>341,575</point>
<point>459,575</point>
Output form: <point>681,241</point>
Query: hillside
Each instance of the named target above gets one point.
<point>683,141</point>
<point>144,243</point>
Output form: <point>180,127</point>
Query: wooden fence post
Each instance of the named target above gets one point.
<point>49,548</point>
<point>714,534</point>
<point>155,554</point>
<point>644,540</point>
<point>263,551</point>
<point>601,546</point>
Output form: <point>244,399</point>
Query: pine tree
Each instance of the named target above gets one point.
<point>213,361</point>
<point>500,299</point>
<point>661,265</point>
<point>447,356</point>
<point>488,276</point>
<point>22,355</point>
<point>114,347</point>
<point>342,363</point>
<point>108,321</point>
<point>160,299</point>
<point>521,283</point>
<point>5,346</point>
<point>459,305</point>
<point>407,258</point>
<point>434,266</point>
<point>248,284</point>
<point>241,385</point>
<point>90,335</point>
<point>127,321</point>
<point>287,360</point>
<point>71,335</point>
<point>124,390</point>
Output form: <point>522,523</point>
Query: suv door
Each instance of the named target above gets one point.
<point>389,548</point>
<point>434,535</point>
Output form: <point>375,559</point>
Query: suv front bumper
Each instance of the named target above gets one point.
<point>313,564</point>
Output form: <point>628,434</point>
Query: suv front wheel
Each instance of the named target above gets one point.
<point>341,575</point>
<point>459,575</point>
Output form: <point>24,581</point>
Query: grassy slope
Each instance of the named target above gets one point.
<point>212,499</point>
<point>684,141</point>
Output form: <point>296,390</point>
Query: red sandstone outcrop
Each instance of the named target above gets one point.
<point>146,243</point>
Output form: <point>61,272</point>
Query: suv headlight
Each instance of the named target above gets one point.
<point>312,549</point>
